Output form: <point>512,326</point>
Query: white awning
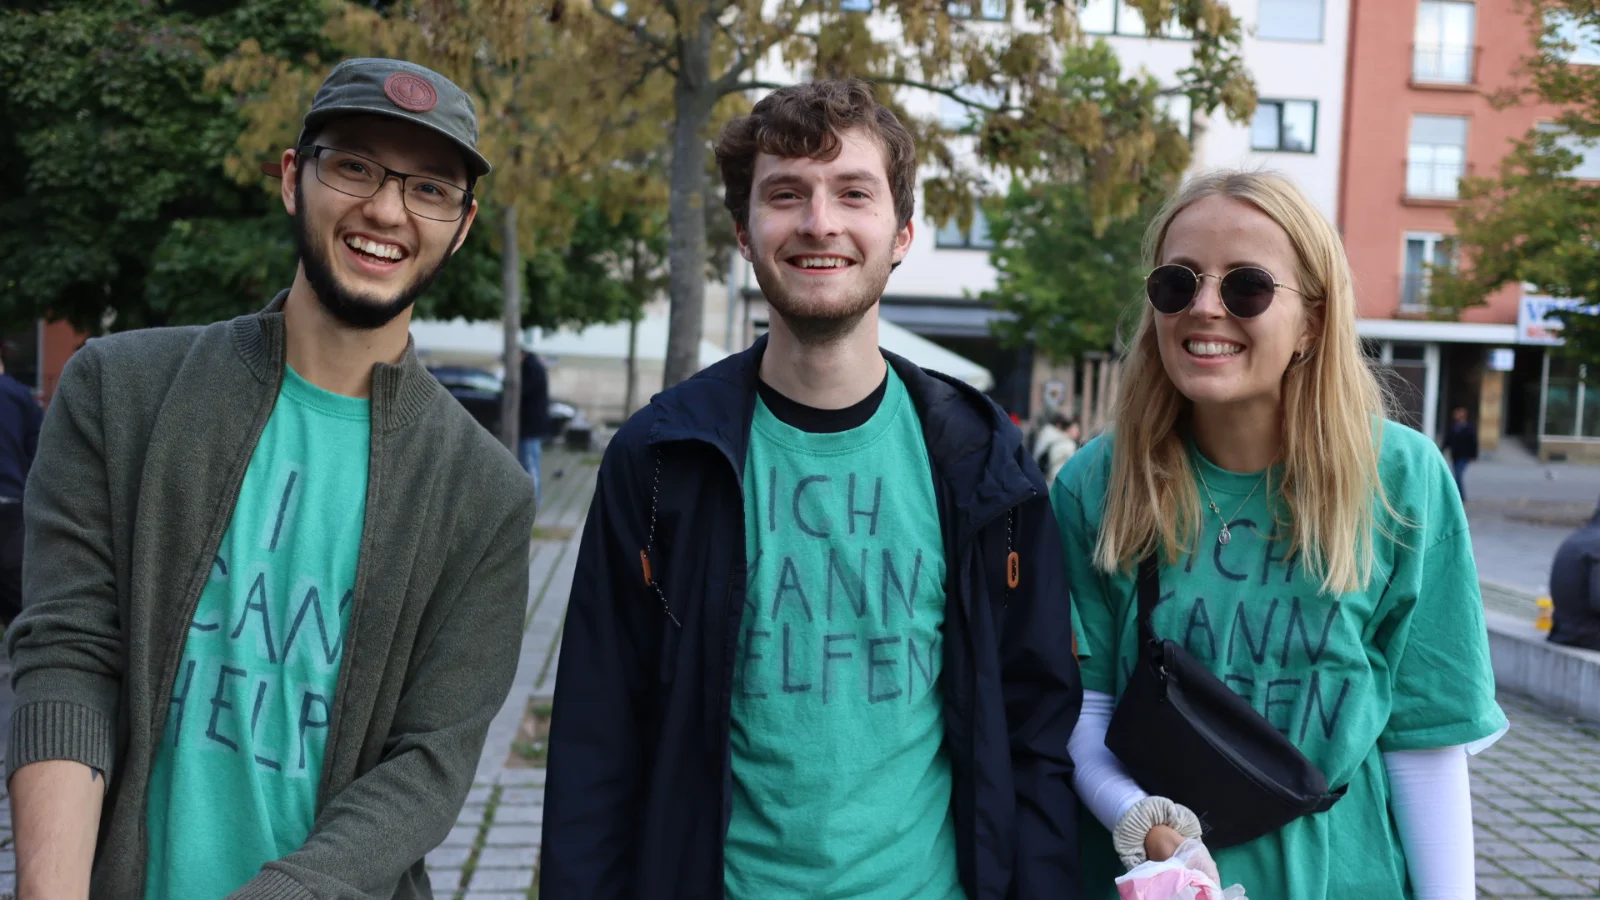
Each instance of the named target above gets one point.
<point>929,355</point>
<point>459,342</point>
<point>483,343</point>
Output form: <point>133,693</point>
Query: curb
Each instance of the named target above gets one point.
<point>1565,680</point>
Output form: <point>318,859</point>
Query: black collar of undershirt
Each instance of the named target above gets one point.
<point>822,421</point>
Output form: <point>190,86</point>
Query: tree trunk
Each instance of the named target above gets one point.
<point>686,209</point>
<point>629,397</point>
<point>636,291</point>
<point>511,288</point>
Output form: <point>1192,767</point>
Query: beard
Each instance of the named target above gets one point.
<point>360,312</point>
<point>815,323</point>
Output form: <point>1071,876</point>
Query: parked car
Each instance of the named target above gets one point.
<point>479,391</point>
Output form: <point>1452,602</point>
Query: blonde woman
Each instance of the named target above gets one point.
<point>1304,552</point>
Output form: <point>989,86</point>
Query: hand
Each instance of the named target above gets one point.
<point>1162,842</point>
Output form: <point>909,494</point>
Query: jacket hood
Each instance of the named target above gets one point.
<point>973,445</point>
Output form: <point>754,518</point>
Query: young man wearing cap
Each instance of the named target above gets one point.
<point>819,643</point>
<point>274,573</point>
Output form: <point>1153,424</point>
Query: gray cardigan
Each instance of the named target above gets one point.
<point>140,463</point>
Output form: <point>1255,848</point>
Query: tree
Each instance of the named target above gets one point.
<point>616,261</point>
<point>1533,222</point>
<point>1066,285</point>
<point>1065,271</point>
<point>114,206</point>
<point>1010,77</point>
<point>547,118</point>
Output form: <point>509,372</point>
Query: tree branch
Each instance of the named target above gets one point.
<point>952,93</point>
<point>638,30</point>
<point>729,82</point>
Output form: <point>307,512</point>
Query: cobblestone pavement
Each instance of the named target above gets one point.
<point>1536,807</point>
<point>493,852</point>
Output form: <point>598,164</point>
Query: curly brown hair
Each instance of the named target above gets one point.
<point>806,120</point>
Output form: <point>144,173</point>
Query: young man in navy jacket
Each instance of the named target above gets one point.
<point>819,642</point>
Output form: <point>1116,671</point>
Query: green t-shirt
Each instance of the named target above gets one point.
<point>841,787</point>
<point>1401,665</point>
<point>235,779</point>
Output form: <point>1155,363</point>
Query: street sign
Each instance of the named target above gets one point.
<point>1534,322</point>
<point>1055,393</point>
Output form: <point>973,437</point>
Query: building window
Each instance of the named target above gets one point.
<point>1423,251</point>
<point>986,10</point>
<point>1563,397</point>
<point>1287,126</point>
<point>1444,52</point>
<point>1289,20</point>
<point>1121,18</point>
<point>951,237</point>
<point>1586,149</point>
<point>1438,157</point>
<point>1582,40</point>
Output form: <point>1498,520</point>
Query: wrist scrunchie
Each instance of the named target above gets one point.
<point>1135,825</point>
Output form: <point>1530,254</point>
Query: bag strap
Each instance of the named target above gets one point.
<point>650,542</point>
<point>1330,798</point>
<point>1149,595</point>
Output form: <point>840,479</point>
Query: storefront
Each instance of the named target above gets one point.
<point>1431,368</point>
<point>1560,403</point>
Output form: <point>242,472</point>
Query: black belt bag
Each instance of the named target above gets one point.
<point>1185,735</point>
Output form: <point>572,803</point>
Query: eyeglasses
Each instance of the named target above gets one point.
<point>1246,291</point>
<point>358,176</point>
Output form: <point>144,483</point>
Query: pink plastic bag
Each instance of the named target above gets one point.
<point>1174,879</point>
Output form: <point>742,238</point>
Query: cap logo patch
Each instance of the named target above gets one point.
<point>410,92</point>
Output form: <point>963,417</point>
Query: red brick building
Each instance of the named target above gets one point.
<point>1417,119</point>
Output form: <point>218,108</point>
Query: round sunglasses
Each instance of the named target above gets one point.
<point>1246,291</point>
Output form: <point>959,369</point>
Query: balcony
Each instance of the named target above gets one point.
<point>1414,294</point>
<point>1444,67</point>
<point>1435,182</point>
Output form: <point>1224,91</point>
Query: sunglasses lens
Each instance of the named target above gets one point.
<point>1170,288</point>
<point>1247,292</point>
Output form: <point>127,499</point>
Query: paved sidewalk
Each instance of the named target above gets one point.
<point>1536,808</point>
<point>493,852</point>
<point>1520,511</point>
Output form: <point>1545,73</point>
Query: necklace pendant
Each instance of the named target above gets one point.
<point>1224,536</point>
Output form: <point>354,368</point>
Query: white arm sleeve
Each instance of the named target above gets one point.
<point>1431,797</point>
<point>1103,784</point>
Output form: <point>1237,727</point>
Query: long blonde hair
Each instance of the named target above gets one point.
<point>1332,411</point>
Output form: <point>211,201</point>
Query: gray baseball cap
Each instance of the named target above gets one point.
<point>399,90</point>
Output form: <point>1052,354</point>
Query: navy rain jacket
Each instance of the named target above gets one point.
<point>640,781</point>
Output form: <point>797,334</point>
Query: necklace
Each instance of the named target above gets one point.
<point>1224,536</point>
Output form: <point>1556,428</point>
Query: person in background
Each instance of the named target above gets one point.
<point>20,417</point>
<point>1313,557</point>
<point>533,424</point>
<point>276,574</point>
<point>1462,442</point>
<point>1575,588</point>
<point>1056,442</point>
